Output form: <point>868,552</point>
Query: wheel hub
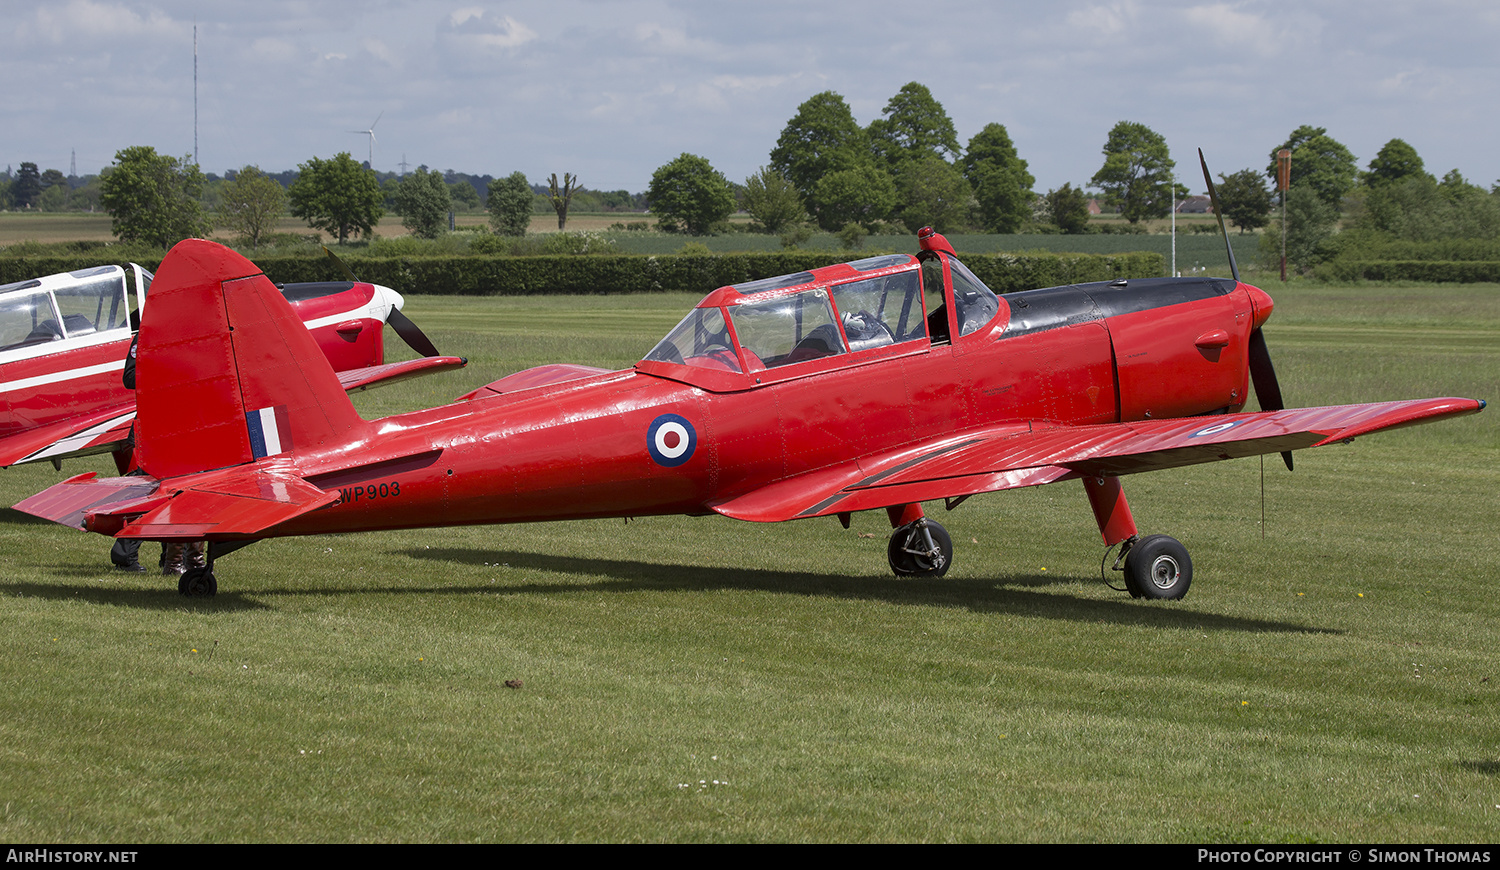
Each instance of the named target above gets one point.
<point>1165,571</point>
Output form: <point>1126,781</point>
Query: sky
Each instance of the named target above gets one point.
<point>610,90</point>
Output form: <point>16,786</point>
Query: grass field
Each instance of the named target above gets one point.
<point>697,679</point>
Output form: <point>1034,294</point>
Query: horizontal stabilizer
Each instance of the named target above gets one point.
<point>242,504</point>
<point>76,498</point>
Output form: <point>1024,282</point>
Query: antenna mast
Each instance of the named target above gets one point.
<point>195,92</point>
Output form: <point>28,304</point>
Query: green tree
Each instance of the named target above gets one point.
<point>1067,208</point>
<point>423,200</point>
<point>1245,200</point>
<point>463,195</point>
<point>54,191</point>
<point>26,189</point>
<point>153,198</point>
<point>914,126</point>
<point>1418,208</point>
<point>862,195</point>
<point>509,203</point>
<point>1002,185</point>
<point>821,139</point>
<point>85,197</point>
<point>338,195</point>
<point>250,204</point>
<point>689,195</point>
<point>1396,160</point>
<point>1319,162</point>
<point>772,200</point>
<point>1137,172</point>
<point>1310,221</point>
<point>562,197</point>
<point>930,191</point>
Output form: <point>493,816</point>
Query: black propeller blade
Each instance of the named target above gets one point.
<point>1234,269</point>
<point>349,273</point>
<point>1262,373</point>
<point>403,325</point>
<point>413,336</point>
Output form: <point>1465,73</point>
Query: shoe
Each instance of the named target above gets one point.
<point>132,567</point>
<point>172,560</point>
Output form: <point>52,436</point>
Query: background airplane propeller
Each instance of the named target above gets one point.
<point>410,333</point>
<point>1262,373</point>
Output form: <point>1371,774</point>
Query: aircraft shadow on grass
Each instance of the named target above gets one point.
<point>981,595</point>
<point>1008,594</point>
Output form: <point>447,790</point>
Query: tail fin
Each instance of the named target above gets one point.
<point>226,373</point>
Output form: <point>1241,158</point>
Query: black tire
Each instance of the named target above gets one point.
<point>198,583</point>
<point>1158,567</point>
<point>909,537</point>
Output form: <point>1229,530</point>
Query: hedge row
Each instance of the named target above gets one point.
<point>592,274</point>
<point>1434,271</point>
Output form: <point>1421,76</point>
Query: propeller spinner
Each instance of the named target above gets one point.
<point>410,333</point>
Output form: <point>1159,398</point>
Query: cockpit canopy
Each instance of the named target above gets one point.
<point>69,305</point>
<point>827,312</point>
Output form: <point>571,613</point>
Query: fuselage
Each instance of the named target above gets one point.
<point>725,405</point>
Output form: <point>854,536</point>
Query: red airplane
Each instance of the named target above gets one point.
<point>872,385</point>
<point>64,338</point>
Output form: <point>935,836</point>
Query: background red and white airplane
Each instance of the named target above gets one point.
<point>64,339</point>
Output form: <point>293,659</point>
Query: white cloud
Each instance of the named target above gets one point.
<point>65,23</point>
<point>470,25</point>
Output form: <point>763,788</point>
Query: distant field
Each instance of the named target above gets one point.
<point>1193,250</point>
<point>1331,678</point>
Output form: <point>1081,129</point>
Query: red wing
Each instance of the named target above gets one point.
<point>100,432</point>
<point>1012,456</point>
<point>384,375</point>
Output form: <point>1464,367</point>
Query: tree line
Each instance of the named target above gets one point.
<point>904,170</point>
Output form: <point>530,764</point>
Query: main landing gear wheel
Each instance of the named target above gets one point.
<point>1158,567</point>
<point>920,549</point>
<point>198,583</point>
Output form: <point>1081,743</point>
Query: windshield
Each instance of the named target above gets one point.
<point>701,339</point>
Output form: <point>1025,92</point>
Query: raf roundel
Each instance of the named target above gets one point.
<point>671,440</point>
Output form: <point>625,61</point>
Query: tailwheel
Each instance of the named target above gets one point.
<point>1157,566</point>
<point>920,549</point>
<point>198,583</point>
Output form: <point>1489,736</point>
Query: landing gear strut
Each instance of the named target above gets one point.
<point>1156,566</point>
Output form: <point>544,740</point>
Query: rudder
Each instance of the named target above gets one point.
<point>226,373</point>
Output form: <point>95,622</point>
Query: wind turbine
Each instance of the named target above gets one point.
<point>371,133</point>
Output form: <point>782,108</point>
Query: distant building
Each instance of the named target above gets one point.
<point>1195,205</point>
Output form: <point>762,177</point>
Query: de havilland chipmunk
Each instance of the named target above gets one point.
<point>64,339</point>
<point>878,384</point>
